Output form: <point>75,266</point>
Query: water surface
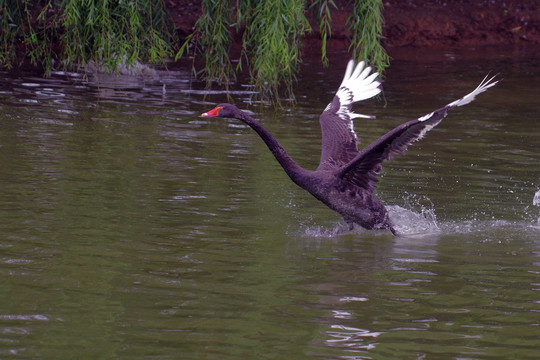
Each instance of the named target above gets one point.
<point>132,228</point>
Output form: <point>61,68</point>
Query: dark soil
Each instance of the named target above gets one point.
<point>420,23</point>
<point>462,23</point>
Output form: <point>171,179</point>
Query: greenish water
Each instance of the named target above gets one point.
<point>131,228</point>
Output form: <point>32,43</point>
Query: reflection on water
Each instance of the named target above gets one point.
<point>132,228</point>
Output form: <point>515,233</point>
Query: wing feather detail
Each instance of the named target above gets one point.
<point>339,140</point>
<point>363,169</point>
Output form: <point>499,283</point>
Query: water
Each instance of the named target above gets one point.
<point>131,228</point>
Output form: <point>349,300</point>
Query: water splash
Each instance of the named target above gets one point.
<point>536,201</point>
<point>417,218</point>
<point>411,222</point>
<point>316,231</point>
<point>406,222</point>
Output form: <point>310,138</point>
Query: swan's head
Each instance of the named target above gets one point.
<point>222,110</point>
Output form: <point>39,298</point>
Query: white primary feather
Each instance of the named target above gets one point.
<point>357,82</point>
<point>484,85</point>
<point>357,85</point>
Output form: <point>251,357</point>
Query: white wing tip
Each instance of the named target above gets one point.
<point>483,86</point>
<point>359,82</point>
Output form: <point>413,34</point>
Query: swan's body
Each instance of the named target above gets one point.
<point>346,177</point>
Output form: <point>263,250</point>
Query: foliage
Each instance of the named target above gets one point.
<point>110,33</point>
<point>213,35</point>
<point>24,24</point>
<point>72,33</point>
<point>365,25</point>
<point>271,38</point>
<point>272,43</point>
<point>324,16</point>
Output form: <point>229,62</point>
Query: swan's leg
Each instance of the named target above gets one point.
<point>346,231</point>
<point>391,228</point>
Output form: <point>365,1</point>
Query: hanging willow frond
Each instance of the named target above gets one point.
<point>115,33</point>
<point>272,42</point>
<point>111,33</point>
<point>272,38</point>
<point>213,36</point>
<point>31,25</point>
<point>324,16</point>
<point>365,25</point>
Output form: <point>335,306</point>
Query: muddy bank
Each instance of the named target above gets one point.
<point>462,23</point>
<point>421,23</point>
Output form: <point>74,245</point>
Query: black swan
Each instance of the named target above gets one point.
<point>346,177</point>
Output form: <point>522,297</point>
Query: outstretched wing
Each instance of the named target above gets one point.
<point>339,141</point>
<point>364,168</point>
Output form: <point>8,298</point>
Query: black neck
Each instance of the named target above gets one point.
<point>295,171</point>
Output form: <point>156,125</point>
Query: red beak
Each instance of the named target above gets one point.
<point>213,112</point>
